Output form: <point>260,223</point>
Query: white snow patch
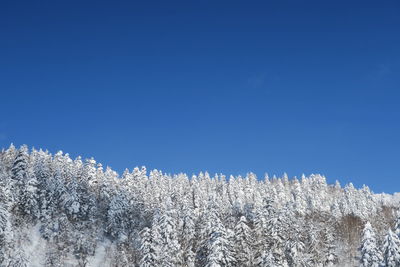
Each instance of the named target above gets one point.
<point>100,258</point>
<point>35,247</point>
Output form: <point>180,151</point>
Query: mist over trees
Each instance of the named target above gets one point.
<point>58,211</point>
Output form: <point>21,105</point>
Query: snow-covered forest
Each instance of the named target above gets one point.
<point>58,211</point>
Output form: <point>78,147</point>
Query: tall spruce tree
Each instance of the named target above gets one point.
<point>148,249</point>
<point>391,250</point>
<point>243,243</point>
<point>219,244</point>
<point>370,254</point>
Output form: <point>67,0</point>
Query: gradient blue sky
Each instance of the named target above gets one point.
<point>224,86</point>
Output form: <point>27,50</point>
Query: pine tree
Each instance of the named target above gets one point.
<point>26,202</point>
<point>219,246</point>
<point>370,254</point>
<point>294,252</point>
<point>165,226</point>
<point>20,165</point>
<point>397,224</point>
<point>5,225</point>
<point>28,198</point>
<point>8,157</point>
<point>266,259</point>
<point>330,256</point>
<point>243,251</point>
<point>294,238</point>
<point>391,250</point>
<point>261,244</point>
<point>277,228</point>
<point>148,249</point>
<point>117,215</point>
<point>188,237</point>
<point>42,172</point>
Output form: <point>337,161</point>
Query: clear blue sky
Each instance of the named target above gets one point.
<point>224,86</point>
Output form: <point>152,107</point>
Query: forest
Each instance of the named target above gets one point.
<point>59,211</point>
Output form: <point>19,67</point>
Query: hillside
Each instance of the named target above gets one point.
<point>58,211</point>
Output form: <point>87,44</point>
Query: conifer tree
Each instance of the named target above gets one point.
<point>25,193</point>
<point>391,250</point>
<point>243,242</point>
<point>188,238</point>
<point>219,246</point>
<point>397,224</point>
<point>5,225</point>
<point>330,255</point>
<point>167,236</point>
<point>370,254</point>
<point>277,227</point>
<point>20,165</point>
<point>148,249</point>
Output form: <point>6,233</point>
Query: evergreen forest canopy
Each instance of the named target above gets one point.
<point>58,211</point>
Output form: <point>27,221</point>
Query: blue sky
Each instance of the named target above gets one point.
<point>224,86</point>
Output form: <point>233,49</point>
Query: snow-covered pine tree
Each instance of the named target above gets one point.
<point>266,259</point>
<point>261,246</point>
<point>164,223</point>
<point>330,257</point>
<point>148,249</point>
<point>116,218</point>
<point>295,251</point>
<point>294,236</point>
<point>8,157</point>
<point>41,170</point>
<point>277,229</point>
<point>5,225</point>
<point>188,236</point>
<point>243,243</point>
<point>313,244</point>
<point>391,250</point>
<point>220,250</point>
<point>397,224</point>
<point>28,198</point>
<point>19,168</point>
<point>24,181</point>
<point>370,254</point>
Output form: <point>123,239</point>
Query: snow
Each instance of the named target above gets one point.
<point>56,211</point>
<point>100,258</point>
<point>35,247</point>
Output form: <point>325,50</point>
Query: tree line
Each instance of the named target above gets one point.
<point>58,211</point>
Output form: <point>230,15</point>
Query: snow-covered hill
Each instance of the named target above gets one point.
<point>56,211</point>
